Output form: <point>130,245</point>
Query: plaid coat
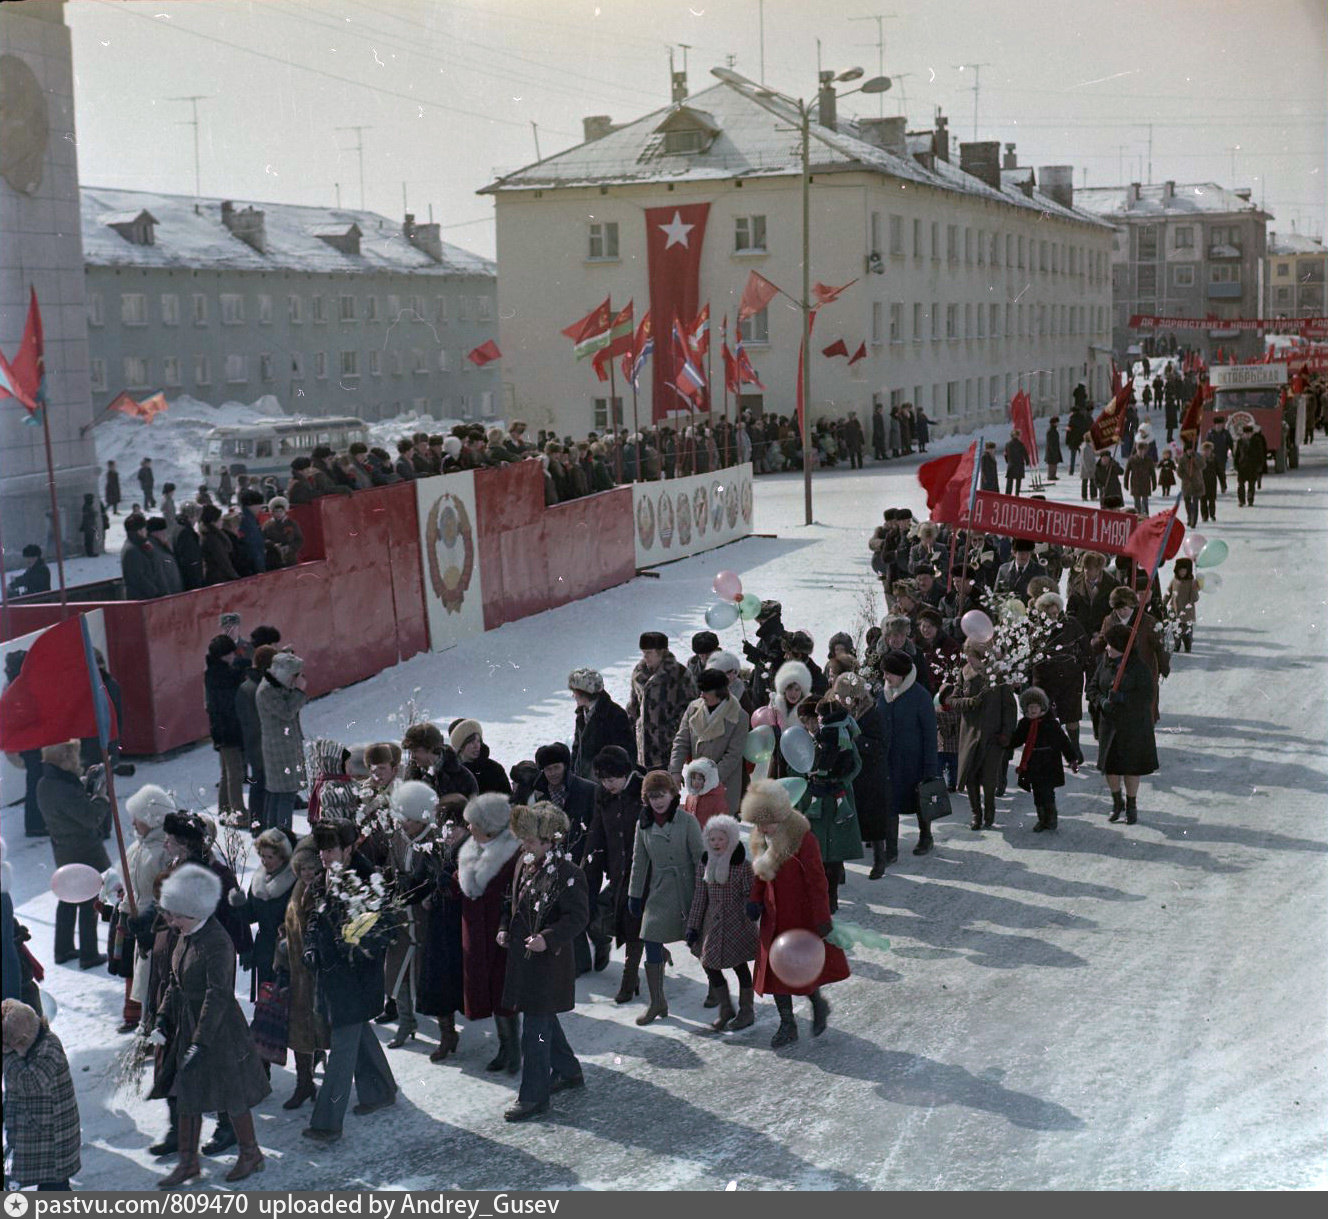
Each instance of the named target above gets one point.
<point>656,708</point>
<point>41,1112</point>
<point>719,913</point>
<point>283,739</point>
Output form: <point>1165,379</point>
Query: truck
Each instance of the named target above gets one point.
<point>1257,393</point>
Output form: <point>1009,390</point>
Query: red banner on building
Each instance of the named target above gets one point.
<point>1015,516</point>
<point>1311,327</point>
<point>674,237</point>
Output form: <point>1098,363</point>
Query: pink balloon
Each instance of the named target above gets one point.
<point>76,882</point>
<point>765,715</point>
<point>797,957</point>
<point>1192,545</point>
<point>728,586</point>
<point>977,626</point>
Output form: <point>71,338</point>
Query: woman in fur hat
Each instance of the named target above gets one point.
<point>610,841</point>
<point>1127,747</point>
<point>718,929</point>
<point>713,728</point>
<point>828,801</point>
<point>703,796</point>
<point>42,1129</point>
<point>600,722</point>
<point>414,834</point>
<point>1044,743</point>
<point>467,739</point>
<point>279,699</point>
<point>871,785</point>
<point>793,683</point>
<point>1063,664</point>
<point>788,894</point>
<point>1148,642</point>
<point>209,1046</point>
<point>306,1031</point>
<point>486,864</point>
<point>547,910</point>
<point>1182,598</point>
<point>660,891</point>
<point>265,902</point>
<point>661,690</point>
<point>987,723</point>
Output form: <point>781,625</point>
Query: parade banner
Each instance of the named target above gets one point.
<point>1311,327</point>
<point>1014,516</point>
<point>678,517</point>
<point>453,598</point>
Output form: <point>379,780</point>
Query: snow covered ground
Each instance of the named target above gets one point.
<point>1109,1007</point>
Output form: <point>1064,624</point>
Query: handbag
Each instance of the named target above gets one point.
<point>271,1023</point>
<point>933,800</point>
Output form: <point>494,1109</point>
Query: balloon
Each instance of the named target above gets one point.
<point>760,744</point>
<point>76,882</point>
<point>1211,580</point>
<point>727,586</point>
<point>795,786</point>
<point>798,748</point>
<point>764,715</point>
<point>720,615</point>
<point>48,1005</point>
<point>1214,554</point>
<point>977,626</point>
<point>749,606</point>
<point>797,957</point>
<point>1192,545</point>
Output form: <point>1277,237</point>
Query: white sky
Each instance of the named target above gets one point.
<point>448,91</point>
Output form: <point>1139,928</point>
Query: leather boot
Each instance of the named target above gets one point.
<point>508,1057</point>
<point>658,1004</point>
<point>787,1032</point>
<point>1053,817</point>
<point>712,996</point>
<point>304,1081</point>
<point>879,861</point>
<point>726,1012</point>
<point>448,1037</point>
<point>1041,819</point>
<point>186,1168</point>
<point>630,986</point>
<point>169,1143</point>
<point>388,1014</point>
<point>1131,809</point>
<point>746,1016</point>
<point>250,1159</point>
<point>925,842</point>
<point>223,1137</point>
<point>820,1012</point>
<point>1117,806</point>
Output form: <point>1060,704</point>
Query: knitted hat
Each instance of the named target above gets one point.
<point>382,753</point>
<point>1034,694</point>
<point>463,731</point>
<point>714,681</point>
<point>613,762</point>
<point>544,821</point>
<point>150,805</point>
<point>191,891</point>
<point>658,781</point>
<point>588,681</point>
<point>551,755</point>
<point>705,642</point>
<point>489,812</point>
<point>897,663</point>
<point>333,833</point>
<point>21,1025</point>
<point>653,639</point>
<point>1117,636</point>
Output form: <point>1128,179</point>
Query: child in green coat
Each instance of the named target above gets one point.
<point>828,802</point>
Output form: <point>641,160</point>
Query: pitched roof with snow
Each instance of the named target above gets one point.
<point>753,137</point>
<point>292,238</point>
<point>1187,199</point>
<point>1294,243</point>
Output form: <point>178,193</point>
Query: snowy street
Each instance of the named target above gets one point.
<point>1108,1007</point>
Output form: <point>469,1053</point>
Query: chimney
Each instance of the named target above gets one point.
<point>597,126</point>
<point>827,111</point>
<point>249,225</point>
<point>940,140</point>
<point>427,238</point>
<point>1057,183</point>
<point>1168,191</point>
<point>886,133</point>
<point>1132,197</point>
<point>1243,192</point>
<point>1011,161</point>
<point>679,87</point>
<point>982,159</point>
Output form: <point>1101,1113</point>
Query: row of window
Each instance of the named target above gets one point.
<point>982,321</point>
<point>347,306</point>
<point>1220,237</point>
<point>748,238</point>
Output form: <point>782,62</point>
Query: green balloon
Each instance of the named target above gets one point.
<point>796,786</point>
<point>749,606</point>
<point>1214,554</point>
<point>760,744</point>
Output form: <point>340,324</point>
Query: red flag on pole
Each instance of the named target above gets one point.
<point>742,362</point>
<point>1021,416</point>
<point>621,333</point>
<point>1145,544</point>
<point>675,237</point>
<point>484,354</point>
<point>592,331</point>
<point>837,348</point>
<point>1189,423</point>
<point>24,378</point>
<point>860,354</point>
<point>825,294</point>
<point>52,700</point>
<point>688,377</point>
<point>1106,429</point>
<point>757,294</point>
<point>947,481</point>
<point>698,333</point>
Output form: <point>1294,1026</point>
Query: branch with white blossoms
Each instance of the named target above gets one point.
<point>375,811</point>
<point>360,904</point>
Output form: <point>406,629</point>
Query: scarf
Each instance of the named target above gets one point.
<point>1029,745</point>
<point>266,886</point>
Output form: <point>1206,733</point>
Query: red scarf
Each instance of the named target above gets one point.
<point>1029,745</point>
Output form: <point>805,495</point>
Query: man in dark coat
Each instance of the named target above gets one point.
<point>910,729</point>
<point>1052,449</point>
<point>113,488</point>
<point>1221,440</point>
<point>1127,747</point>
<point>1013,577</point>
<point>1077,428</point>
<point>163,556</point>
<point>1016,463</point>
<point>146,480</point>
<point>142,576</point>
<point>467,740</point>
<point>871,785</point>
<point>1063,665</point>
<point>609,842</point>
<point>661,692</point>
<point>1107,481</point>
<point>188,553</point>
<point>878,432</point>
<point>989,475</point>
<point>35,576</point>
<point>600,722</point>
<point>1251,462</point>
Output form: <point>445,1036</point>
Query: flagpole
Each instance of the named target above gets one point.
<point>55,507</point>
<point>613,415</point>
<point>1142,607</point>
<point>119,829</point>
<point>636,429</point>
<point>4,587</point>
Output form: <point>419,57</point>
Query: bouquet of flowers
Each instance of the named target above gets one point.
<point>365,910</point>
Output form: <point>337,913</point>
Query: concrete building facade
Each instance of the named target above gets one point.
<point>1294,279</point>
<point>333,312</point>
<point>1192,250</point>
<point>972,280</point>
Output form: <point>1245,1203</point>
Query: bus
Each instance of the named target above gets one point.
<point>265,448</point>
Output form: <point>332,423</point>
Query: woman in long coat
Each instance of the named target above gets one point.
<point>1127,747</point>
<point>547,913</point>
<point>871,784</point>
<point>788,894</point>
<point>279,699</point>
<point>828,801</point>
<point>609,844</point>
<point>910,729</point>
<point>210,1051</point>
<point>1060,670</point>
<point>265,903</point>
<point>714,726</point>
<point>486,863</point>
<point>988,718</point>
<point>306,1030</point>
<point>664,858</point>
<point>42,1130</point>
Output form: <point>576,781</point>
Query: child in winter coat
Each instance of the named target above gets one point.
<point>1182,597</point>
<point>704,797</point>
<point>1166,474</point>
<point>1044,742</point>
<point>828,802</point>
<point>42,1128</point>
<point>718,929</point>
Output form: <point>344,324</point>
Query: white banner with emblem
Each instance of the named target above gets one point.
<point>449,556</point>
<point>678,517</point>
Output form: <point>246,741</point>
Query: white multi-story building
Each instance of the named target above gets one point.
<point>1294,279</point>
<point>974,280</point>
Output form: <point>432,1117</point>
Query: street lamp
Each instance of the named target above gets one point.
<point>764,97</point>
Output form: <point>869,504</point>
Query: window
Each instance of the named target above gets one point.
<point>320,307</point>
<point>968,246</point>
<point>1227,235</point>
<point>347,307</point>
<point>749,235</point>
<point>995,258</point>
<point>133,309</point>
<point>486,404</point>
<point>968,321</point>
<point>419,362</point>
<point>295,309</point>
<point>170,370</point>
<point>1021,253</point>
<point>170,309</point>
<point>875,232</point>
<point>876,321</point>
<point>371,308</point>
<point>320,365</point>
<point>264,309</point>
<point>265,366</point>
<point>1224,274</point>
<point>442,359</point>
<point>393,307</point>
<point>897,235</point>
<point>755,330</point>
<point>951,321</point>
<point>1148,241</point>
<point>917,238</point>
<point>1042,255</point>
<point>603,240</point>
<point>1283,269</point>
<point>232,309</point>
<point>237,369</point>
<point>97,373</point>
<point>935,241</point>
<point>917,320</point>
<point>935,321</point>
<point>440,309</point>
<point>484,308</point>
<point>952,243</point>
<point>687,140</point>
<point>980,320</point>
<point>202,370</point>
<point>398,363</point>
<point>602,419</point>
<point>1148,280</point>
<point>350,363</point>
<point>1281,296</point>
<point>463,308</point>
<point>896,322</point>
<point>94,309</point>
<point>993,313</point>
<point>375,363</point>
<point>952,397</point>
<point>297,366</point>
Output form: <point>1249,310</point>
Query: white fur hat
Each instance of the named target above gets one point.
<point>791,671</point>
<point>151,805</point>
<point>285,667</point>
<point>726,662</point>
<point>191,891</point>
<point>727,825</point>
<point>414,801</point>
<point>452,446</point>
<point>704,767</point>
<point>490,812</point>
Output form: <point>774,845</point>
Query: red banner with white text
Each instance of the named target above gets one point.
<point>1015,516</point>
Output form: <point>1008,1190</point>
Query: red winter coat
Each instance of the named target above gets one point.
<point>797,897</point>
<point>484,962</point>
<point>704,807</point>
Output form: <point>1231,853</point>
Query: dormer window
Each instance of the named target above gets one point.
<point>342,237</point>
<point>135,227</point>
<point>684,141</point>
<point>685,131</point>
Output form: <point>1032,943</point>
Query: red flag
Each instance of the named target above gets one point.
<point>11,386</point>
<point>621,332</point>
<point>592,331</point>
<point>860,354</point>
<point>802,349</point>
<point>1189,423</point>
<point>757,294</point>
<point>1144,546</point>
<point>674,239</point>
<point>837,348</point>
<point>25,377</point>
<point>698,333</point>
<point>731,382</point>
<point>824,294</point>
<point>1021,416</point>
<point>743,363</point>
<point>951,502</point>
<point>935,475</point>
<point>484,354</point>
<point>688,377</point>
<point>1106,429</point>
<point>51,700</point>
